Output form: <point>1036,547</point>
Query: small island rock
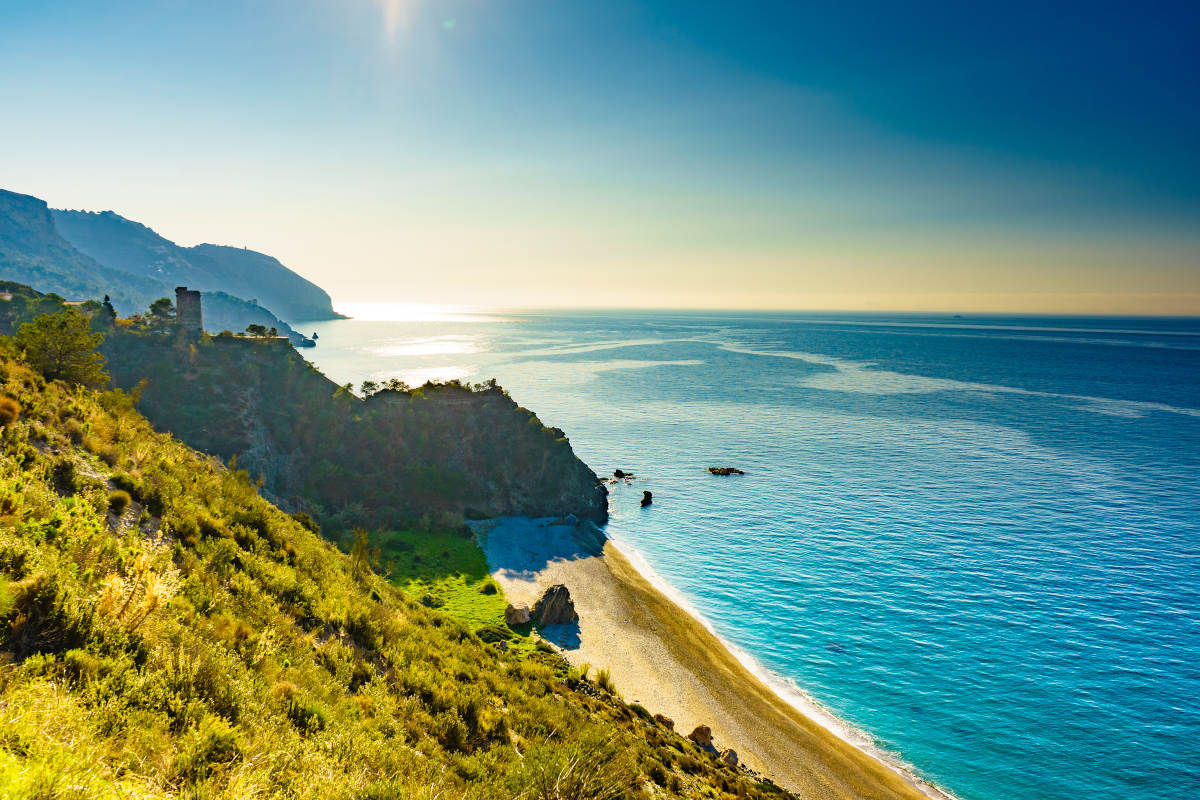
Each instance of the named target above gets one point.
<point>516,615</point>
<point>729,758</point>
<point>555,607</point>
<point>725,471</point>
<point>702,736</point>
<point>647,499</point>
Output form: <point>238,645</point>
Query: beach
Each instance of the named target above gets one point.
<point>668,661</point>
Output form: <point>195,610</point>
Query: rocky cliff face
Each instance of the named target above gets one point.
<point>390,459</point>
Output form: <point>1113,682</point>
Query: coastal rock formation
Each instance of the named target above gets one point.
<point>665,721</point>
<point>516,615</point>
<point>555,607</point>
<point>702,736</point>
<point>725,471</point>
<point>729,758</point>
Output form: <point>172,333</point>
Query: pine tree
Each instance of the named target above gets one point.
<point>62,347</point>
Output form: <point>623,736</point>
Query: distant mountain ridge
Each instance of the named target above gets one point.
<point>33,252</point>
<point>84,255</point>
<point>133,248</point>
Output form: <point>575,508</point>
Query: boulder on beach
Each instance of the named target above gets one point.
<point>725,471</point>
<point>702,736</point>
<point>516,615</point>
<point>729,758</point>
<point>647,499</point>
<point>555,607</point>
<point>665,721</point>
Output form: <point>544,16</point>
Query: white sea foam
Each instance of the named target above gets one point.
<point>785,689</point>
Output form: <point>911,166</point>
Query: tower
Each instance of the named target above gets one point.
<point>187,310</point>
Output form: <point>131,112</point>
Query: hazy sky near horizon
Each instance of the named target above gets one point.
<point>866,155</point>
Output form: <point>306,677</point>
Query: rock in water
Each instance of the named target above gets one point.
<point>702,736</point>
<point>555,607</point>
<point>725,471</point>
<point>516,615</point>
<point>647,499</point>
<point>729,758</point>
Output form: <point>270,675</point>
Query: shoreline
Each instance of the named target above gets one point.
<point>664,655</point>
<point>785,691</point>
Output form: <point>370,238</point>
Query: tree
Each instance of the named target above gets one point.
<point>62,347</point>
<point>162,313</point>
<point>256,330</point>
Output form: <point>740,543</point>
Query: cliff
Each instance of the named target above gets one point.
<point>395,457</point>
<point>137,250</point>
<point>84,256</point>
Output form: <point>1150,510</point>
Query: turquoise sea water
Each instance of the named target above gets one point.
<point>977,540</point>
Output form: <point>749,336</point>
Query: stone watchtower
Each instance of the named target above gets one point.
<point>187,310</point>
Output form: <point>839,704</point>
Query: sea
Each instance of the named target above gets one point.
<point>973,540</point>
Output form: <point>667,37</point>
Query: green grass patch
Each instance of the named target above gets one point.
<point>447,571</point>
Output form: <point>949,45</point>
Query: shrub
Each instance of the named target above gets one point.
<point>587,768</point>
<point>74,430</point>
<point>210,746</point>
<point>63,475</point>
<point>604,681</point>
<point>10,410</point>
<point>494,633</point>
<point>118,501</point>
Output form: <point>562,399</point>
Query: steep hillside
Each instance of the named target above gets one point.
<point>167,633</point>
<point>260,277</point>
<point>137,250</point>
<point>32,252</point>
<point>395,457</point>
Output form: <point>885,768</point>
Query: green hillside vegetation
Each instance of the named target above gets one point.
<point>400,457</point>
<point>446,570</point>
<point>167,632</point>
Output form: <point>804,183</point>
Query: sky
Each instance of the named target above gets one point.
<point>918,156</point>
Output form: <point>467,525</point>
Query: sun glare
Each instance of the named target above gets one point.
<point>415,312</point>
<point>397,14</point>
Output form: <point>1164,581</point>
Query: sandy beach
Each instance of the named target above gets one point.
<point>663,658</point>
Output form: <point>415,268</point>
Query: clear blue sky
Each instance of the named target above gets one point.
<point>1015,156</point>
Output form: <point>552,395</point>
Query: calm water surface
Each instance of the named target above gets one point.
<point>976,539</point>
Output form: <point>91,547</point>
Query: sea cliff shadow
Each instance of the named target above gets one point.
<point>518,548</point>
